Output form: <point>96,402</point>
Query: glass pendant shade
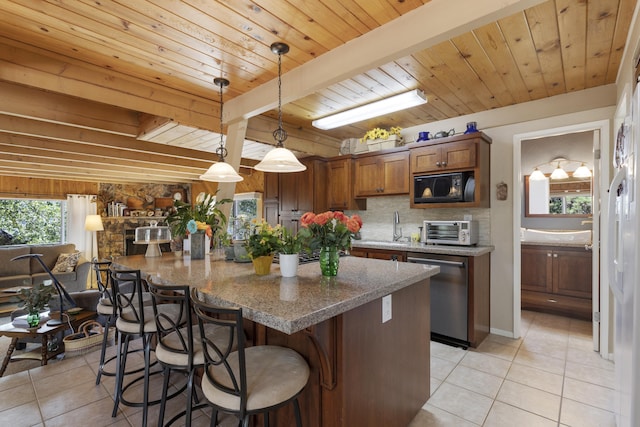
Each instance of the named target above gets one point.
<point>537,175</point>
<point>280,160</point>
<point>221,172</point>
<point>559,173</point>
<point>582,172</point>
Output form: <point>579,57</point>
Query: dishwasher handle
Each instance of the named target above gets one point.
<point>435,261</point>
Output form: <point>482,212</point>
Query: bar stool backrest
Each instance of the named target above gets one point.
<point>128,288</point>
<point>178,321</point>
<point>102,270</point>
<point>218,354</point>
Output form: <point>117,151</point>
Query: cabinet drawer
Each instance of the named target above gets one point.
<point>556,304</point>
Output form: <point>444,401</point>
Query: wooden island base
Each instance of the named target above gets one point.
<point>363,372</point>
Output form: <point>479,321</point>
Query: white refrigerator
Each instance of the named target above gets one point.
<point>624,268</point>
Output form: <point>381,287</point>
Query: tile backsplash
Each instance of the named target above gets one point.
<point>378,218</point>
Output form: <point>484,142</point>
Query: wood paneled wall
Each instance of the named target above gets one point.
<point>39,188</point>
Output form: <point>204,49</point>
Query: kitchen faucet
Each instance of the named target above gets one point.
<point>397,231</point>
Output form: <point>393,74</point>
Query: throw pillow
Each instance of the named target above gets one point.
<point>66,263</point>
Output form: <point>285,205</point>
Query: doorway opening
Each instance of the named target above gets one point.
<point>598,132</point>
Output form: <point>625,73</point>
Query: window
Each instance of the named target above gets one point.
<point>571,204</point>
<point>32,221</point>
<point>246,207</point>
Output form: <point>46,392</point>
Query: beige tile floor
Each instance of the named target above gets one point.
<point>549,377</point>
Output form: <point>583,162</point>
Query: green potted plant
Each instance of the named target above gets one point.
<point>34,300</point>
<point>289,253</point>
<point>205,214</point>
<point>263,242</point>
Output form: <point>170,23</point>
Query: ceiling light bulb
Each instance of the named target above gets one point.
<point>374,109</point>
<point>582,172</point>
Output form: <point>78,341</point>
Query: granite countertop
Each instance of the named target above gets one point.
<point>423,248</point>
<point>285,304</point>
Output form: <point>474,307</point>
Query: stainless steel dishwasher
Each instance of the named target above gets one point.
<point>449,297</point>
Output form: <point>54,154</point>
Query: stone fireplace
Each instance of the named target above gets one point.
<point>119,234</point>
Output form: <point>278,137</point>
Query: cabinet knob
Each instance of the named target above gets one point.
<point>555,255</point>
<point>444,163</point>
<point>437,163</point>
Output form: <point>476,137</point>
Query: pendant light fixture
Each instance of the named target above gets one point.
<point>280,159</point>
<point>221,171</point>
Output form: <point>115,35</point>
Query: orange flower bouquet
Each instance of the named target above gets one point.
<point>328,230</point>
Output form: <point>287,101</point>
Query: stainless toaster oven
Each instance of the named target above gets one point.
<point>463,233</point>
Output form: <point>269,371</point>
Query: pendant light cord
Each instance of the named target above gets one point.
<point>221,151</point>
<point>280,135</point>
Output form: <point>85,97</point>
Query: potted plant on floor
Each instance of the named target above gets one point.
<point>289,253</point>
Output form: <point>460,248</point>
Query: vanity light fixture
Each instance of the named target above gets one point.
<point>374,109</point>
<point>558,173</point>
<point>221,171</point>
<point>280,159</point>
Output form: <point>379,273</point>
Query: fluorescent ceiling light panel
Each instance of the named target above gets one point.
<point>374,109</point>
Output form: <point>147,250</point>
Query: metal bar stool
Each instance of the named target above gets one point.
<point>246,381</point>
<point>106,307</point>
<point>179,346</point>
<point>135,320</point>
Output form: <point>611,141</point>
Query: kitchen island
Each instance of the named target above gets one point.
<point>364,372</point>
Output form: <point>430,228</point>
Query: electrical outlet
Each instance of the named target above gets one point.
<point>386,308</point>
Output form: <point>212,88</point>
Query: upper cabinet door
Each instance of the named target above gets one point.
<point>444,157</point>
<point>382,174</point>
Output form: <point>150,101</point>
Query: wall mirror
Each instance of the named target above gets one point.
<point>569,197</point>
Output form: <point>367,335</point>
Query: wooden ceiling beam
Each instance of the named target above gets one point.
<point>25,65</point>
<point>64,109</point>
<point>307,141</point>
<point>56,132</point>
<point>100,160</point>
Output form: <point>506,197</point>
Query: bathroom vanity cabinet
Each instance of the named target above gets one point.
<point>557,280</point>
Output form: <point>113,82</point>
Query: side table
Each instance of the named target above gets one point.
<point>44,332</point>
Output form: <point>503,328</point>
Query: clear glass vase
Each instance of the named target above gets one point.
<point>329,261</point>
<point>33,319</point>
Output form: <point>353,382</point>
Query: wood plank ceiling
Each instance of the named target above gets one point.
<point>122,90</point>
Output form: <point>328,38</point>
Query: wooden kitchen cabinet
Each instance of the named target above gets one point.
<point>557,280</point>
<point>444,157</point>
<point>382,174</point>
<point>468,153</point>
<point>379,254</point>
<point>340,194</point>
<point>289,195</point>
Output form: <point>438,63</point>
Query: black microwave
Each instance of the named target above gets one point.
<point>444,188</point>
